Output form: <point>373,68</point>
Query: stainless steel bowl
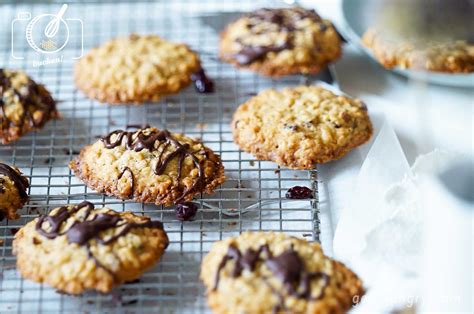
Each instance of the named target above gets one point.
<point>359,15</point>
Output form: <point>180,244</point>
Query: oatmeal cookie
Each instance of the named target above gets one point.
<point>437,56</point>
<point>150,166</point>
<point>77,248</point>
<point>26,106</point>
<point>136,69</point>
<point>279,42</point>
<point>300,127</point>
<point>13,196</point>
<point>268,272</point>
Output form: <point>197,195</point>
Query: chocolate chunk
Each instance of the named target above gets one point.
<point>288,267</point>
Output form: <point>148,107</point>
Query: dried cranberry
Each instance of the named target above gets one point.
<point>13,231</point>
<point>202,83</point>
<point>299,192</point>
<point>185,211</point>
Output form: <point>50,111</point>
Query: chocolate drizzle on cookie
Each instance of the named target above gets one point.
<point>249,54</point>
<point>20,182</point>
<point>288,267</point>
<point>284,19</point>
<point>32,97</point>
<point>84,230</point>
<point>81,232</point>
<point>58,219</point>
<point>247,261</point>
<point>132,178</point>
<point>154,140</point>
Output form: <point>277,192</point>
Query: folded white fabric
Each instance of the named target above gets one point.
<point>379,230</point>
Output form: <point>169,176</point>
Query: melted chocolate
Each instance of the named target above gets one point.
<point>153,141</point>
<point>202,83</point>
<point>288,267</point>
<point>132,188</point>
<point>81,232</point>
<point>285,23</point>
<point>59,218</point>
<point>29,100</point>
<point>248,54</point>
<point>248,261</point>
<point>21,183</point>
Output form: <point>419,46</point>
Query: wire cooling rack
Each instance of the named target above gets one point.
<point>253,198</point>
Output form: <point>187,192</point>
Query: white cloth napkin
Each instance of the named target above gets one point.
<point>371,208</point>
<point>375,234</point>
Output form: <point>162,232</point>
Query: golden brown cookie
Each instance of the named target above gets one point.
<point>150,166</point>
<point>300,127</point>
<point>269,272</point>
<point>26,105</point>
<point>77,248</point>
<point>446,56</point>
<point>13,196</point>
<point>135,69</point>
<point>279,42</point>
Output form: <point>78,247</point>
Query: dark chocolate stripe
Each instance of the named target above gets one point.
<point>21,183</point>
<point>62,215</point>
<point>153,141</point>
<point>132,188</point>
<point>26,100</point>
<point>288,267</point>
<point>284,22</point>
<point>81,232</point>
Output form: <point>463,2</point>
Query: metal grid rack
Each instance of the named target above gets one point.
<point>253,198</point>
